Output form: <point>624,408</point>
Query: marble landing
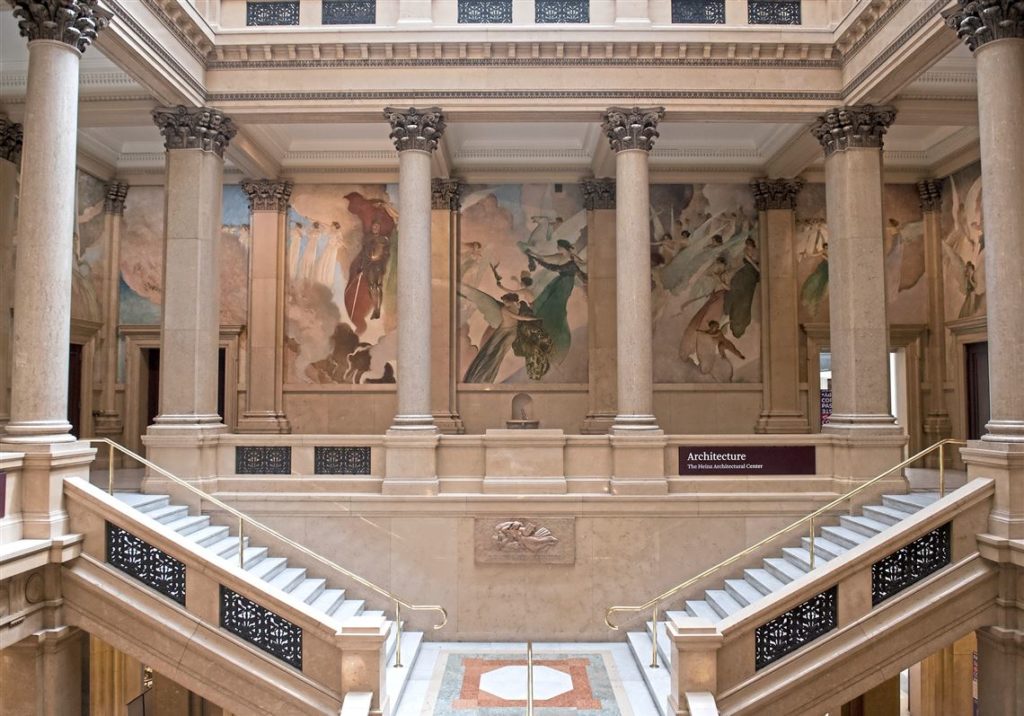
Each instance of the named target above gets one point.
<point>489,679</point>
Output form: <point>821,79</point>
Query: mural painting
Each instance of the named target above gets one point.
<point>705,272</point>
<point>963,244</point>
<point>340,317</point>
<point>523,284</point>
<point>89,257</point>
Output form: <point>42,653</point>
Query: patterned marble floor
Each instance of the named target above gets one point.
<point>479,679</point>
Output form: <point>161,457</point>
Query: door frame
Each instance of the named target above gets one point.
<point>963,331</point>
<point>85,333</point>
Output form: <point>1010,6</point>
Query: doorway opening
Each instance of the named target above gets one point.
<point>979,409</point>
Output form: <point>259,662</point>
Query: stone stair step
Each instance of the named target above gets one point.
<point>664,642</point>
<point>783,570</point>
<point>864,525</point>
<point>742,591</point>
<point>659,681</point>
<point>802,557</point>
<point>268,568</point>
<point>288,579</point>
<point>142,502</point>
<point>887,515</point>
<point>226,546</point>
<point>372,613</point>
<point>308,590</point>
<point>250,557</point>
<point>187,525</point>
<point>700,608</point>
<point>824,546</point>
<point>168,513</point>
<point>911,502</point>
<point>722,602</point>
<point>357,703</point>
<point>328,601</point>
<point>396,678</point>
<point>843,536</point>
<point>349,608</point>
<point>763,580</point>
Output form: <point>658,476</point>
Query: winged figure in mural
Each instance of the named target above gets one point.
<point>970,284</point>
<point>364,292</point>
<point>511,325</point>
<point>551,306</point>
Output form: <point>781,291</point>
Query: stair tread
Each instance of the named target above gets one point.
<point>287,578</point>
<point>308,589</point>
<point>328,601</point>
<point>865,522</point>
<point>722,602</point>
<point>881,513</point>
<point>268,567</point>
<point>787,568</point>
<point>823,545</point>
<point>700,608</point>
<point>141,501</point>
<point>348,608</point>
<point>188,524</point>
<point>765,579</point>
<point>919,500</point>
<point>742,591</point>
<point>167,513</point>
<point>225,546</point>
<point>849,535</point>
<point>250,556</point>
<point>208,535</point>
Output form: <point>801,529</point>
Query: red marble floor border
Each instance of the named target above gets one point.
<point>472,696</point>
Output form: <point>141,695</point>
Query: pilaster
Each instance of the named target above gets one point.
<point>599,201</point>
<point>10,160</point>
<point>446,200</point>
<point>47,669</point>
<point>109,422</point>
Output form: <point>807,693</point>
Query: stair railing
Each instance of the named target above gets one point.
<point>244,519</point>
<point>653,605</point>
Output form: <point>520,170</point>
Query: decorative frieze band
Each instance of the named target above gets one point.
<point>194,128</point>
<point>74,22</point>
<point>853,127</point>
<point>598,193</point>
<point>446,194</point>
<point>10,140</point>
<point>267,194</point>
<point>414,128</point>
<point>776,193</point>
<point>632,127</point>
<point>930,191</point>
<point>113,202</point>
<point>978,22</point>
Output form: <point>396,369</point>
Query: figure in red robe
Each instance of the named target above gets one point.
<point>364,292</point>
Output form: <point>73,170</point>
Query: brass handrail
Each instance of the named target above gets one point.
<point>243,519</point>
<point>653,603</point>
<point>529,678</point>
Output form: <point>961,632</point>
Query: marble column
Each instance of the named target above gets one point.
<point>599,201</point>
<point>47,669</point>
<point>631,132</point>
<point>937,425</point>
<point>1001,668</point>
<point>108,422</point>
<point>10,159</point>
<point>780,338</point>
<point>268,205</point>
<point>444,272</point>
<point>195,139</point>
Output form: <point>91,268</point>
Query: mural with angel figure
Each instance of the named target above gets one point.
<point>705,272</point>
<point>963,244</point>
<point>340,317</point>
<point>522,283</point>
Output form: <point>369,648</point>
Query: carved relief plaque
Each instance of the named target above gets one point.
<point>524,540</point>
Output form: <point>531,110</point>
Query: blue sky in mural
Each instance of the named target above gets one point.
<point>236,206</point>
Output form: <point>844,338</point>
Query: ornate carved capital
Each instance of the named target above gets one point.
<point>10,140</point>
<point>632,127</point>
<point>978,22</point>
<point>74,22</point>
<point>845,127</point>
<point>415,128</point>
<point>776,193</point>
<point>113,202</point>
<point>267,194</point>
<point>598,193</point>
<point>194,128</point>
<point>930,191</point>
<point>446,194</point>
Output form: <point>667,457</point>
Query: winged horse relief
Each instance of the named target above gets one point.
<point>517,535</point>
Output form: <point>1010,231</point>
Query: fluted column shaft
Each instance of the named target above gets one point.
<point>108,421</point>
<point>599,201</point>
<point>446,199</point>
<point>10,159</point>
<point>936,424</point>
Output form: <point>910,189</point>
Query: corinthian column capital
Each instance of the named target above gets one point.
<point>446,194</point>
<point>73,22</point>
<point>414,128</point>
<point>598,193</point>
<point>267,194</point>
<point>776,193</point>
<point>632,127</point>
<point>194,128</point>
<point>843,128</point>
<point>981,21</point>
<point>113,202</point>
<point>10,140</point>
<point>930,191</point>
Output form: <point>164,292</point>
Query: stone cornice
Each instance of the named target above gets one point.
<point>930,192</point>
<point>978,22</point>
<point>632,127</point>
<point>113,201</point>
<point>417,129</point>
<point>446,194</point>
<point>598,193</point>
<point>194,128</point>
<point>267,194</point>
<point>844,128</point>
<point>10,140</point>
<point>776,193</point>
<point>73,22</point>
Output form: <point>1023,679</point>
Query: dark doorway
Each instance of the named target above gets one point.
<point>75,389</point>
<point>149,382</point>
<point>221,381</point>
<point>978,406</point>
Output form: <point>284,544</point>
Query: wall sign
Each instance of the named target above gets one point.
<point>747,460</point>
<point>826,406</point>
<point>3,494</point>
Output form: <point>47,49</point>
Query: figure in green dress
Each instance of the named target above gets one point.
<point>550,305</point>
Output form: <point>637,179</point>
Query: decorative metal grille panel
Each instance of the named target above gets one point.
<point>271,13</point>
<point>349,12</point>
<point>341,460</point>
<point>562,11</point>
<point>773,12</point>
<point>141,560</point>
<point>263,460</point>
<point>911,564</point>
<point>800,625</point>
<point>261,627</point>
<point>480,11</point>
<point>704,12</point>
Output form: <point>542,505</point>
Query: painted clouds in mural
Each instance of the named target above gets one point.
<point>963,244</point>
<point>341,317</point>
<point>523,283</point>
<point>705,272</point>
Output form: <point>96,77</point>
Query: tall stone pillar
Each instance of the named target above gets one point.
<point>446,200</point>
<point>42,674</point>
<point>780,339</point>
<point>58,32</point>
<point>599,201</point>
<point>268,204</point>
<point>937,425</point>
<point>10,159</point>
<point>1001,669</point>
<point>410,451</point>
<point>108,422</point>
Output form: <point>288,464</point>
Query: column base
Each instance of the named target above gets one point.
<point>265,422</point>
<point>635,425</point>
<point>864,451</point>
<point>782,423</point>
<point>418,424</point>
<point>410,462</point>
<point>598,423</point>
<point>39,432</point>
<point>1002,431</point>
<point>1004,463</point>
<point>638,464</point>
<point>449,424</point>
<point>189,452</point>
